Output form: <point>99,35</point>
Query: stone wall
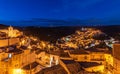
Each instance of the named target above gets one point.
<point>12,41</point>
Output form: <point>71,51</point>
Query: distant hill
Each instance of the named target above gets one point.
<point>113,30</point>
<point>2,26</point>
<point>54,33</point>
<point>50,33</point>
<point>68,22</point>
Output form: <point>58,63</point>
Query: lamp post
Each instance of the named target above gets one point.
<point>17,71</point>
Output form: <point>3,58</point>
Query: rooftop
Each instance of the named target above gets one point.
<point>39,51</point>
<point>57,69</point>
<point>30,66</point>
<point>60,53</point>
<point>65,54</point>
<point>89,64</point>
<point>81,51</point>
<point>73,66</point>
<point>15,51</point>
<point>68,61</point>
<point>104,50</point>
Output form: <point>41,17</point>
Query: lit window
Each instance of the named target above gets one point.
<point>10,55</point>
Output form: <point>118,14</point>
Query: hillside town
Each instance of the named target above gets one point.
<point>79,53</point>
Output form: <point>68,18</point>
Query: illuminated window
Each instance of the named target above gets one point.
<point>10,55</point>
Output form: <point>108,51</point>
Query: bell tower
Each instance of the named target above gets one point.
<point>10,31</point>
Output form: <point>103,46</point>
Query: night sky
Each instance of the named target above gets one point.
<point>59,9</point>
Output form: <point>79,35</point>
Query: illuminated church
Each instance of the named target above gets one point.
<point>11,32</point>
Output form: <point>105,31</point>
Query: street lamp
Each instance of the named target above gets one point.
<point>17,71</point>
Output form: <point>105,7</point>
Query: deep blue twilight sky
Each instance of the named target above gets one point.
<point>59,9</point>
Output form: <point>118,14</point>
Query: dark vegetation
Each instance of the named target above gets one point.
<point>3,26</point>
<point>113,30</point>
<point>49,33</point>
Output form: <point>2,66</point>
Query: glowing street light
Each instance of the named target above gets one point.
<point>17,71</point>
